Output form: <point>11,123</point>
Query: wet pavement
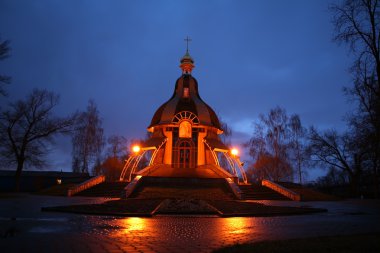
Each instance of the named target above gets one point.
<point>37,231</point>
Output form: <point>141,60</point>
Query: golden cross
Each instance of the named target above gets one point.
<point>187,43</point>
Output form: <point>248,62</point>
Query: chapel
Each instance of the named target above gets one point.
<point>185,137</point>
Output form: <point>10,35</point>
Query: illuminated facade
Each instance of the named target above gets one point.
<point>185,137</point>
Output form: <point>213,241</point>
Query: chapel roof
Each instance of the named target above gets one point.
<point>186,98</point>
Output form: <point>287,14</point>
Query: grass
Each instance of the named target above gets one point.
<point>336,244</point>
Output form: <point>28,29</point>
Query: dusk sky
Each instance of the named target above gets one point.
<point>250,56</point>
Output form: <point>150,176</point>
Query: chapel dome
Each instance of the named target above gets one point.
<point>186,98</point>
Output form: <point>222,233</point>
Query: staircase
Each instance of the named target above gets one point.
<point>259,192</point>
<point>307,194</point>
<point>182,188</point>
<point>105,189</point>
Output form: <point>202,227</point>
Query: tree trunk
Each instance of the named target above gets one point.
<point>20,165</point>
<point>375,181</point>
<point>354,186</point>
<point>299,172</point>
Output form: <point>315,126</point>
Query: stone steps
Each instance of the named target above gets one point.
<point>259,192</point>
<point>182,188</point>
<point>106,189</point>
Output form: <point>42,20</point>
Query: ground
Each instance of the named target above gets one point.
<point>36,231</point>
<point>337,244</point>
<point>152,207</point>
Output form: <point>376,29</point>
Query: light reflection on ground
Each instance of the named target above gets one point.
<point>133,224</point>
<point>235,225</point>
<point>173,233</point>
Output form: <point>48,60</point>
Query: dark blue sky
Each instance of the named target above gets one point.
<point>250,56</point>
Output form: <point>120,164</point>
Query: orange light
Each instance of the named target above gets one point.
<point>136,148</point>
<point>234,151</point>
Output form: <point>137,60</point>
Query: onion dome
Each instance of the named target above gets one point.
<point>187,63</point>
<point>186,98</point>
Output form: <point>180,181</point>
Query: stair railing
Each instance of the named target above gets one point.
<point>212,152</point>
<point>156,152</point>
<point>281,189</point>
<point>86,185</point>
<point>126,166</point>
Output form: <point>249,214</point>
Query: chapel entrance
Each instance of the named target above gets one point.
<point>185,154</point>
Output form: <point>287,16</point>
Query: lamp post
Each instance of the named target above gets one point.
<point>136,149</point>
<point>234,152</point>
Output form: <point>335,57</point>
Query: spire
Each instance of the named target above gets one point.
<point>187,63</point>
<point>187,43</point>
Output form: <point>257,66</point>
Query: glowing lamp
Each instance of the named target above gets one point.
<point>234,151</point>
<point>136,148</point>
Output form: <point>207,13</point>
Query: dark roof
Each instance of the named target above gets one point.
<point>193,103</point>
<point>30,173</point>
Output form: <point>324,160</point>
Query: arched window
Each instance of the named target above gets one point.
<point>185,129</point>
<point>185,115</point>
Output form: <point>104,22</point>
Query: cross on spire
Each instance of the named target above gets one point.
<point>187,63</point>
<point>187,43</point>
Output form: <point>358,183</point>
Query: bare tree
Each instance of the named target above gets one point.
<point>26,128</point>
<point>88,139</point>
<point>300,156</point>
<point>4,53</point>
<point>271,167</point>
<point>117,152</point>
<point>338,152</point>
<point>227,132</point>
<point>117,146</point>
<point>111,167</point>
<point>357,24</point>
<point>270,147</point>
<point>333,182</point>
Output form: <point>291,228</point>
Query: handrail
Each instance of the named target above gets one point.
<point>126,166</point>
<point>241,169</point>
<point>212,152</point>
<point>235,160</point>
<point>232,166</point>
<point>135,164</point>
<point>86,185</point>
<point>234,188</point>
<point>156,151</point>
<point>281,189</point>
